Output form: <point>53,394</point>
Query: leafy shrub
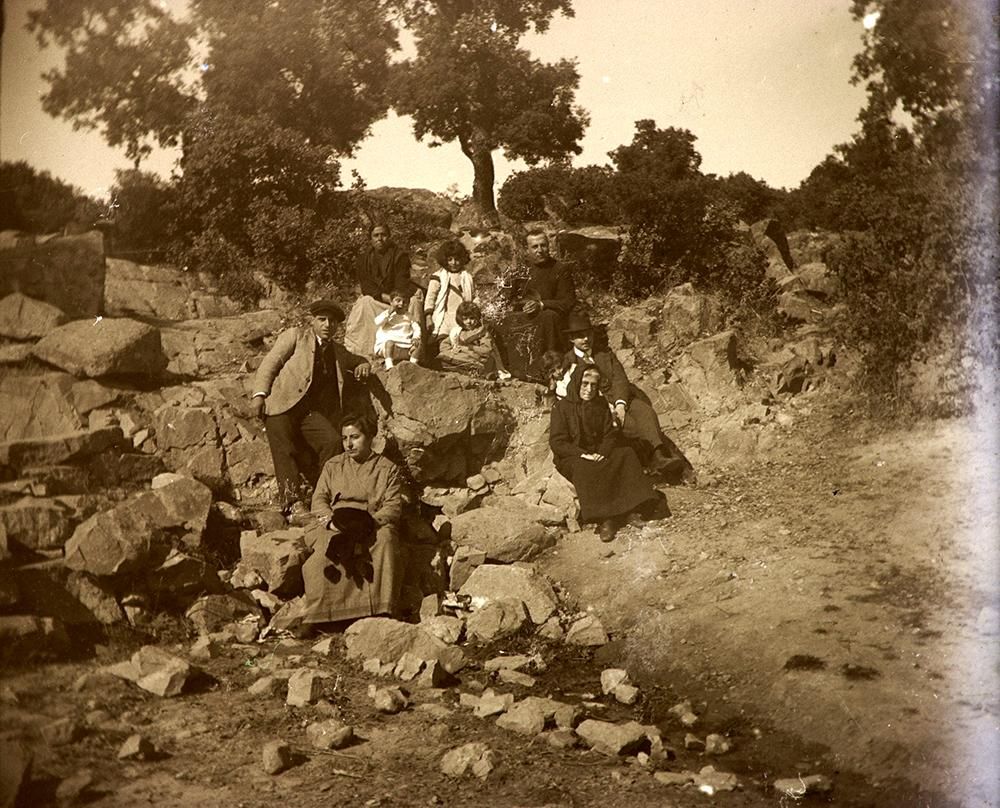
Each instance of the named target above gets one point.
<point>575,195</point>
<point>141,211</point>
<point>923,271</point>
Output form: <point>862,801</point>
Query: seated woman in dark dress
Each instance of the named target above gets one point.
<point>607,476</point>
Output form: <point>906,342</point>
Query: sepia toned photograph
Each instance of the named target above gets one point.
<point>499,403</point>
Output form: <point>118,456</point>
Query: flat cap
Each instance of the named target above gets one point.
<point>326,306</point>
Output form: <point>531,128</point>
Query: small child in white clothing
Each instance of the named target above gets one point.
<point>397,336</point>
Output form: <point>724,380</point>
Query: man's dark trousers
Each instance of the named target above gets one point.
<point>316,420</point>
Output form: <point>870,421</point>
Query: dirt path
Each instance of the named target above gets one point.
<point>836,597</point>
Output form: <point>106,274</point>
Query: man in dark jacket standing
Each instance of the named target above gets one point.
<point>301,389</point>
<point>542,304</point>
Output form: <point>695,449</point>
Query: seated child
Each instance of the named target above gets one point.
<point>397,335</point>
<point>469,347</point>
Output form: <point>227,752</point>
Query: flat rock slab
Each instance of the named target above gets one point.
<point>505,534</point>
<point>495,582</point>
<point>387,640</point>
<point>613,739</point>
<point>58,449</point>
<point>66,271</point>
<point>104,347</point>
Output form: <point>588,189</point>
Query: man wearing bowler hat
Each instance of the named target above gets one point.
<point>302,388</point>
<point>632,409</point>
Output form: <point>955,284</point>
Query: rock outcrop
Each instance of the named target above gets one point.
<point>66,271</point>
<point>446,426</point>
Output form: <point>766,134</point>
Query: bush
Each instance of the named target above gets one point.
<point>141,212</point>
<point>575,195</point>
<point>922,274</point>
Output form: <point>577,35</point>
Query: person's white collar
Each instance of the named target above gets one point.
<point>583,355</point>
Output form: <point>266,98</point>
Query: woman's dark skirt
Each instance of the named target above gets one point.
<point>613,487</point>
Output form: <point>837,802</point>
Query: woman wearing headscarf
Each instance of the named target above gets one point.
<point>354,570</point>
<point>608,478</point>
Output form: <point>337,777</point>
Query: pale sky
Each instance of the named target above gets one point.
<point>763,85</point>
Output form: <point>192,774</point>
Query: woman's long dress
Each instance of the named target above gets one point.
<point>351,576</point>
<point>612,487</point>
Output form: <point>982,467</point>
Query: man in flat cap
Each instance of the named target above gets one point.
<point>303,386</point>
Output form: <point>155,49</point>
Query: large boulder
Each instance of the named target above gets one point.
<point>188,439</point>
<point>707,369</point>
<point>277,558</point>
<point>446,425</point>
<point>811,246</point>
<point>425,207</point>
<point>134,290</point>
<point>36,523</point>
<point>104,347</point>
<point>23,317</point>
<point>632,326</point>
<point>769,235</point>
<point>801,307</point>
<point>138,534</point>
<point>37,405</point>
<point>66,271</point>
<point>686,315</point>
<point>817,279</point>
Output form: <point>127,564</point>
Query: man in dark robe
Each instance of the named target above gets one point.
<point>542,303</point>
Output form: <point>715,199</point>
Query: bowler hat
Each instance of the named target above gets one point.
<point>353,522</point>
<point>577,323</point>
<point>326,306</point>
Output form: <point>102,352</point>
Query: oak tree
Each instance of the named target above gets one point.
<point>472,82</point>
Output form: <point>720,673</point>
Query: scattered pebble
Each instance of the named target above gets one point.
<point>389,700</point>
<point>276,757</point>
<point>801,786</point>
<point>717,745</point>
<point>136,747</point>
<point>329,734</point>
<point>694,743</point>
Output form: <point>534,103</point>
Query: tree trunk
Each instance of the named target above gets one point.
<point>484,209</point>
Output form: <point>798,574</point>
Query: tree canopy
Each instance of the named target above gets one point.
<point>318,67</point>
<point>471,82</point>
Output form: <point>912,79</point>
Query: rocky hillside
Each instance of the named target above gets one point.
<point>136,505</point>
